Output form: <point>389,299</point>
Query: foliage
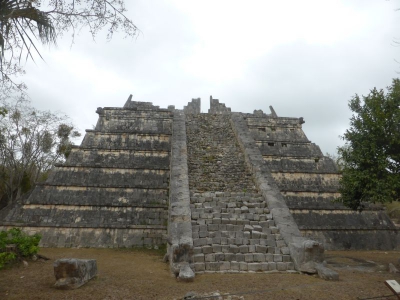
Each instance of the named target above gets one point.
<point>24,22</point>
<point>26,246</point>
<point>371,154</point>
<point>31,141</point>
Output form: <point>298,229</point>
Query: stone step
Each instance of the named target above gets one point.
<point>235,266</point>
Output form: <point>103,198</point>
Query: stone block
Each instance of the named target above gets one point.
<point>239,257</point>
<point>229,256</point>
<point>269,257</point>
<point>257,228</point>
<point>259,257</point>
<point>256,235</point>
<point>198,258</point>
<point>280,243</point>
<point>290,266</point>
<point>248,228</point>
<point>216,240</point>
<point>256,267</point>
<point>197,250</point>
<point>71,273</point>
<point>238,241</point>
<point>286,258</point>
<point>212,266</point>
<point>186,274</point>
<point>261,249</point>
<point>225,266</point>
<point>207,249</point>
<point>225,248</point>
<point>277,258</point>
<point>219,256</point>
<point>212,227</point>
<point>281,266</point>
<point>203,234</point>
<point>248,257</point>
<point>271,266</point>
<point>326,273</point>
<point>285,250</point>
<point>243,266</point>
<point>233,248</point>
<point>216,248</point>
<point>199,267</point>
<point>243,249</point>
<point>234,265</point>
<point>209,257</point>
<point>230,227</point>
<point>254,241</point>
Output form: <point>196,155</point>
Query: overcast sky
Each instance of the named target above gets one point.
<point>305,58</point>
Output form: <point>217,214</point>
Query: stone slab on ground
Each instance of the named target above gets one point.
<point>71,273</point>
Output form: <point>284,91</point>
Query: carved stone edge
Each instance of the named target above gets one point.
<point>307,254</point>
<point>180,241</point>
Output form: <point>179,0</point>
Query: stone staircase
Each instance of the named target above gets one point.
<point>232,227</point>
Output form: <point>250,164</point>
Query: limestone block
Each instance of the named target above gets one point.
<point>257,228</point>
<point>186,274</point>
<point>198,258</point>
<point>243,249</point>
<point>197,250</point>
<point>233,248</point>
<point>271,266</point>
<point>225,248</point>
<point>243,266</point>
<point>256,267</point>
<point>207,249</point>
<point>261,249</point>
<point>259,257</point>
<point>239,257</point>
<point>213,266</point>
<point>234,265</point>
<point>71,273</point>
<point>248,257</point>
<point>277,258</point>
<point>209,257</point>
<point>219,256</point>
<point>225,266</point>
<point>199,267</point>
<point>326,273</point>
<point>229,256</point>
<point>281,266</point>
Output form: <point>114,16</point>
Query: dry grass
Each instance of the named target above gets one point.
<point>141,274</point>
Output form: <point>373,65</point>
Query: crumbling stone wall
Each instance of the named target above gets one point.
<point>243,185</point>
<point>233,229</point>
<point>309,182</point>
<point>113,190</point>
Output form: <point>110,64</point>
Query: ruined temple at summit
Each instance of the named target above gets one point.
<point>225,190</point>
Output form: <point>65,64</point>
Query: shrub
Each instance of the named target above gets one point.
<point>26,246</point>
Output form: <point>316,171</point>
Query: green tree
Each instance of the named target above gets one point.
<point>31,142</point>
<point>371,155</point>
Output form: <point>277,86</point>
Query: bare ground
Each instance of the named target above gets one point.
<point>141,274</point>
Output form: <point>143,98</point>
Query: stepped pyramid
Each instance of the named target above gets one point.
<point>227,191</point>
<point>113,190</point>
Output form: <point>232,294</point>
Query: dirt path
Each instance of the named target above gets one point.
<point>141,274</point>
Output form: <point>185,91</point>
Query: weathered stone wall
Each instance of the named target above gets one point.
<point>217,108</point>
<point>233,229</point>
<point>113,190</point>
<point>237,191</point>
<point>309,182</point>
